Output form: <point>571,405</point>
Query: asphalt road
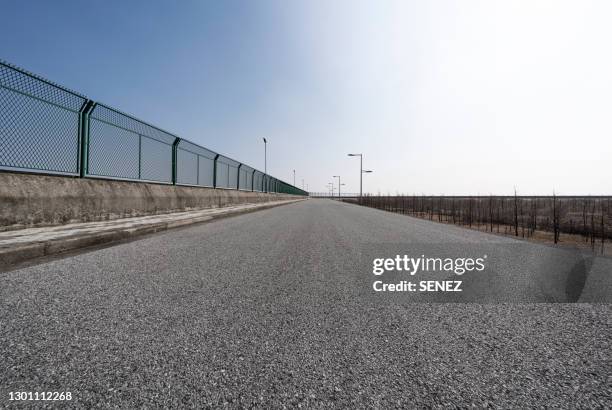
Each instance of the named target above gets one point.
<point>275,308</point>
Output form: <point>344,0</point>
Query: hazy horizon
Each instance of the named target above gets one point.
<point>441,97</point>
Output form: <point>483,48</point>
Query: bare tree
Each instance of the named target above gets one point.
<point>515,213</point>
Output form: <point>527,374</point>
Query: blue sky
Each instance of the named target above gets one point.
<point>441,97</point>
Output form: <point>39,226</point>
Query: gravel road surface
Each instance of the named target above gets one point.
<point>275,308</point>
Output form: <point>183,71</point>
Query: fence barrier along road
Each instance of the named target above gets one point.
<point>46,128</point>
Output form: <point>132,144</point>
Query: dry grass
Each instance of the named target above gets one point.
<point>565,239</point>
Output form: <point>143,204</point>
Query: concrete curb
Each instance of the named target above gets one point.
<point>14,255</point>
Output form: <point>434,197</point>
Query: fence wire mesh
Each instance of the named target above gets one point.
<point>38,123</point>
<point>196,165</point>
<point>121,146</point>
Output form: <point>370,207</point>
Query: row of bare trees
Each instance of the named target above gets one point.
<point>525,216</point>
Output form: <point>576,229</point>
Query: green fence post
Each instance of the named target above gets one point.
<point>83,135</point>
<point>175,159</point>
<point>215,171</point>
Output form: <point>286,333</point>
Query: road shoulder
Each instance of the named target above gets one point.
<point>24,245</point>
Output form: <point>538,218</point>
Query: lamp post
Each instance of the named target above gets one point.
<point>338,176</point>
<point>361,172</point>
<point>265,158</point>
<point>294,177</point>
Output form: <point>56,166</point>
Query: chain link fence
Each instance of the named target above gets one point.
<point>46,128</point>
<point>195,165</point>
<point>38,123</point>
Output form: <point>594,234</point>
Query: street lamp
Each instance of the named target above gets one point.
<point>361,172</point>
<point>338,176</point>
<point>265,158</point>
<point>294,177</point>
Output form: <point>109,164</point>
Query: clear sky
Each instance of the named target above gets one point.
<point>442,97</point>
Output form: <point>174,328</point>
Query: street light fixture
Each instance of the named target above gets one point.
<point>338,176</point>
<point>361,172</point>
<point>364,171</point>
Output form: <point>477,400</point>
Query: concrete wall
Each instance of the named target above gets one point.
<point>28,200</point>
